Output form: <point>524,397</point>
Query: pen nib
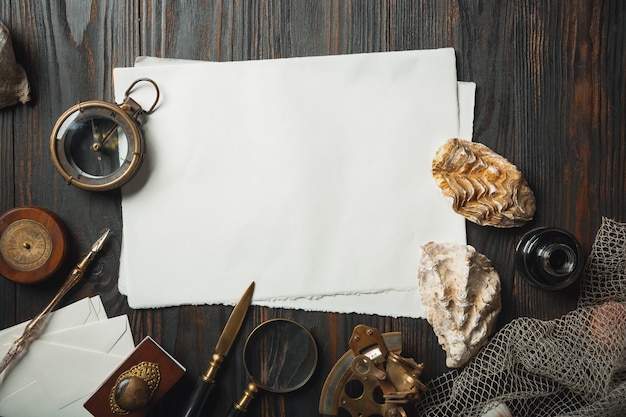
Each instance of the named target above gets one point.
<point>98,244</point>
<point>95,248</point>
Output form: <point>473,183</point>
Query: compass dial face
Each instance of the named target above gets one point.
<point>97,146</point>
<point>26,245</point>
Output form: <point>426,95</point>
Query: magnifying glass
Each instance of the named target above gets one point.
<point>280,356</point>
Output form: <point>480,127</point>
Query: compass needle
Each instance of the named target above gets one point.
<point>108,134</point>
<point>94,132</point>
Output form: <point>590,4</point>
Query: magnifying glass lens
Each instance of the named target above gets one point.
<point>280,355</point>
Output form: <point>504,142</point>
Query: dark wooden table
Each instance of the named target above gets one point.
<point>551,97</point>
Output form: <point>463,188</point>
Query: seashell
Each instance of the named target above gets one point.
<point>460,292</point>
<point>485,188</point>
<point>14,87</point>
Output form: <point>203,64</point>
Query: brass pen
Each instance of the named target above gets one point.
<point>206,382</point>
<point>35,327</point>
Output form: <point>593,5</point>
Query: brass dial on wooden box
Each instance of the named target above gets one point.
<point>33,244</point>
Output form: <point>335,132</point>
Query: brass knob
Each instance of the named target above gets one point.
<point>132,393</point>
<point>134,388</point>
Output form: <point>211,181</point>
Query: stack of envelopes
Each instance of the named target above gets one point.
<point>79,348</point>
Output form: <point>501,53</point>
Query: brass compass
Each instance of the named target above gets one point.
<point>33,244</point>
<point>99,146</point>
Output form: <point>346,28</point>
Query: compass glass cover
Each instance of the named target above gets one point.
<point>97,145</point>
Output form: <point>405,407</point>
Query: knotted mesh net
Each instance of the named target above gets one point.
<point>574,365</point>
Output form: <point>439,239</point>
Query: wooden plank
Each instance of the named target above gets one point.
<point>69,53</point>
<point>7,170</point>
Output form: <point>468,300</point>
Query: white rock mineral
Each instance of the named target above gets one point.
<point>460,292</point>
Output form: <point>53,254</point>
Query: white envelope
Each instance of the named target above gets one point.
<point>63,367</point>
<point>106,336</point>
<point>86,310</point>
<point>338,139</point>
<point>51,395</point>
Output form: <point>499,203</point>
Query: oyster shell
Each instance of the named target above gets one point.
<point>485,188</point>
<point>460,292</point>
<point>14,87</point>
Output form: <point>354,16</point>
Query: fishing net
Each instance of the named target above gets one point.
<point>572,366</point>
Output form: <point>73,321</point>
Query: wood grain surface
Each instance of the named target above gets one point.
<point>551,98</point>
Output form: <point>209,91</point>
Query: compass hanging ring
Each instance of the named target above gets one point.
<point>99,146</point>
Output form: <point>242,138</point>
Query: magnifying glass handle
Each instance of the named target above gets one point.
<point>198,397</point>
<point>235,412</point>
<point>240,408</point>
